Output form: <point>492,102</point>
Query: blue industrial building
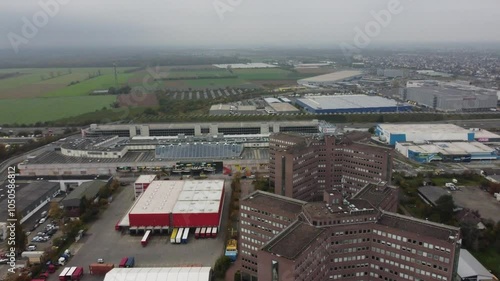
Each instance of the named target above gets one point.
<point>393,133</point>
<point>350,104</point>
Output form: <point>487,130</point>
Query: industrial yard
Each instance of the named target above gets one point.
<point>102,241</point>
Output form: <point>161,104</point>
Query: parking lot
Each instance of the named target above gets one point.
<point>102,241</point>
<point>476,199</point>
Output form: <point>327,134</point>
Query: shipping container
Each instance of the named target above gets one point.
<point>123,262</point>
<point>62,276</point>
<point>179,236</point>
<point>77,274</point>
<point>197,232</point>
<point>100,268</point>
<point>185,235</point>
<point>203,232</point>
<point>130,262</point>
<point>214,232</point>
<point>173,235</point>
<point>145,238</point>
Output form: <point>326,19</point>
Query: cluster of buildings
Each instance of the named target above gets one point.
<point>359,237</point>
<point>450,96</point>
<point>459,63</point>
<point>280,105</point>
<point>439,142</point>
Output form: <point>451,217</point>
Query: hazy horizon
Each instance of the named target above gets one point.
<point>249,24</point>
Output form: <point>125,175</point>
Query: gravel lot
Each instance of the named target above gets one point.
<point>476,199</point>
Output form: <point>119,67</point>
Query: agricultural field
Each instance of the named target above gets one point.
<point>30,111</point>
<point>31,95</point>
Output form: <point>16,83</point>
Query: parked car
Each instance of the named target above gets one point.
<point>42,220</point>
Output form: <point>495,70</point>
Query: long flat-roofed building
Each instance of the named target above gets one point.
<point>302,167</point>
<point>359,238</point>
<point>350,104</point>
<point>450,96</point>
<point>200,129</point>
<point>167,204</point>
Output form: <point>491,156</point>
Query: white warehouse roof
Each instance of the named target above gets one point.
<point>470,267</point>
<point>145,179</point>
<point>159,274</point>
<point>420,128</point>
<point>196,196</point>
<point>347,102</point>
<point>332,77</point>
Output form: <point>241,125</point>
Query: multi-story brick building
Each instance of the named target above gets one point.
<point>360,238</point>
<point>302,167</point>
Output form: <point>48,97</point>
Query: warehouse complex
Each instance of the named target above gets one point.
<point>450,96</point>
<point>339,238</point>
<point>438,142</point>
<point>331,79</point>
<point>110,149</point>
<point>447,151</point>
<point>393,133</point>
<point>173,204</point>
<point>350,104</point>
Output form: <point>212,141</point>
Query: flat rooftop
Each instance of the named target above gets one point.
<point>161,197</point>
<point>374,193</point>
<point>332,77</point>
<point>283,106</point>
<point>347,102</point>
<point>160,274</point>
<point>291,242</point>
<point>199,151</point>
<point>145,178</point>
<point>450,148</point>
<point>113,143</point>
<point>418,226</point>
<point>432,193</point>
<point>26,194</point>
<point>275,203</point>
<point>421,128</point>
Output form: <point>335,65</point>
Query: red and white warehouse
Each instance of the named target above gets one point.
<point>169,204</point>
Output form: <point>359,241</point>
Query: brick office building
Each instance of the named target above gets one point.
<point>360,238</point>
<point>302,167</point>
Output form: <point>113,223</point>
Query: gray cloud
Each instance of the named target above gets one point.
<point>251,23</point>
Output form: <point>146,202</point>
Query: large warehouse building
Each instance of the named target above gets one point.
<point>450,96</point>
<point>393,133</point>
<point>200,129</point>
<point>447,151</point>
<point>331,79</point>
<point>169,204</point>
<point>350,104</point>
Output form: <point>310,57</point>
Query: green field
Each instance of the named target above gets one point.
<point>38,82</point>
<point>30,111</point>
<point>45,94</point>
<point>103,82</point>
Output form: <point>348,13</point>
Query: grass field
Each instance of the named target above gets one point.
<point>44,94</point>
<point>490,259</point>
<point>29,111</point>
<point>37,82</point>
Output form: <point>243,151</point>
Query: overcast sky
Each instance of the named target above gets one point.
<point>252,23</point>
